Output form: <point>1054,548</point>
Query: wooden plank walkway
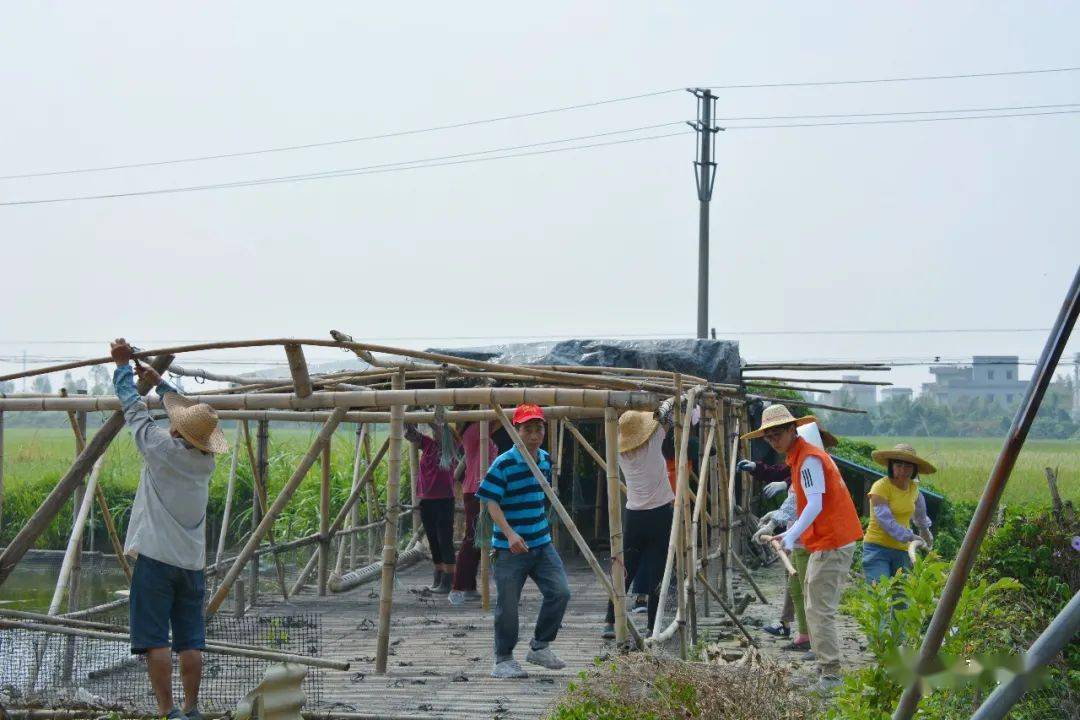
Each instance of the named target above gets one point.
<point>441,656</point>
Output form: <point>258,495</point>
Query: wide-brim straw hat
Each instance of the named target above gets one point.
<point>904,453</point>
<point>197,422</point>
<point>635,429</point>
<point>827,438</point>
<point>775,416</point>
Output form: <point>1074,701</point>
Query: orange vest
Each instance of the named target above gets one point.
<point>838,523</point>
<point>670,462</point>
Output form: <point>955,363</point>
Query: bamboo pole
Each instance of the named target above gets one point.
<point>485,541</point>
<point>729,512</point>
<point>298,369</point>
<point>103,505</point>
<point>211,647</point>
<point>615,531</point>
<point>414,468</point>
<point>417,417</point>
<point>600,461</point>
<point>74,546</point>
<point>1,469</point>
<point>805,403</point>
<point>259,464</point>
<point>750,579</point>
<point>48,509</point>
<point>390,534</point>
<point>755,378</point>
<point>727,609</point>
<point>272,513</point>
<point>354,514</point>
<point>324,521</point>
<point>699,505</point>
<point>567,521</point>
<point>230,489</point>
<point>783,557</point>
<point>685,575</point>
<point>576,397</point>
<point>369,502</point>
<point>366,481</point>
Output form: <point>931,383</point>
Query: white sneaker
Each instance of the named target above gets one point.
<point>508,669</point>
<point>456,598</point>
<point>545,658</point>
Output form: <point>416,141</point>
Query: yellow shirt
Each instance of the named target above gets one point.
<point>902,505</point>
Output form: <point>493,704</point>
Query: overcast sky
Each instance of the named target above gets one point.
<point>959,225</point>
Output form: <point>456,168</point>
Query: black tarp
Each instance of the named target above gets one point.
<point>716,360</point>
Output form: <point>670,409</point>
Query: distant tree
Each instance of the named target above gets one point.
<point>100,380</point>
<point>42,384</point>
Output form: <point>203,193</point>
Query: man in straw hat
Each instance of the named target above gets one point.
<point>521,539</point>
<point>896,502</point>
<point>167,530</point>
<point>827,525</point>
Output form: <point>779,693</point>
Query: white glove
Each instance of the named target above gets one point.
<point>663,413</point>
<point>765,529</point>
<point>767,518</point>
<point>774,488</point>
<point>745,466</point>
<point>927,537</point>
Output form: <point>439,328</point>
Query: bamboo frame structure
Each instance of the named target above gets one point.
<point>419,387</point>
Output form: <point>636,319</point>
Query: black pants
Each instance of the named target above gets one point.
<point>645,543</point>
<point>438,518</point>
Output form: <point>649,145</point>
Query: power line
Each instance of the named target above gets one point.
<point>896,112</point>
<point>446,160</point>
<point>344,141</point>
<point>513,116</point>
<point>371,170</point>
<point>911,78</point>
<point>901,120</point>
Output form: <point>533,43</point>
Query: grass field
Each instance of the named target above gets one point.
<point>964,464</point>
<point>36,458</point>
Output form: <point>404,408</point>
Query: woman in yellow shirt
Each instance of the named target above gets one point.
<point>896,503</point>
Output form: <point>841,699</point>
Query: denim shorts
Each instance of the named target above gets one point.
<point>164,595</point>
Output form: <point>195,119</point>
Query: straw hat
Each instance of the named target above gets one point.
<point>635,429</point>
<point>774,416</point>
<point>827,438</point>
<point>904,453</point>
<point>196,422</point>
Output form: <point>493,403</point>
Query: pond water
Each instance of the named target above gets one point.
<point>30,585</point>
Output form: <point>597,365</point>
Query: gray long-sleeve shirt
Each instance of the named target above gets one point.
<point>168,518</point>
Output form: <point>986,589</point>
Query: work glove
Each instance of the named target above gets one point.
<point>921,544</point>
<point>765,529</point>
<point>746,466</point>
<point>663,413</point>
<point>774,488</point>
<point>767,518</point>
<point>927,537</point>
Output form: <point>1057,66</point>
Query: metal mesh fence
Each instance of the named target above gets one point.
<point>53,670</point>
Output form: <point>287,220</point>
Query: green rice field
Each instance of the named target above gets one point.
<point>964,464</point>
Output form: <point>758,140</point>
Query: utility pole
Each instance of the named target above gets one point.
<point>704,175</point>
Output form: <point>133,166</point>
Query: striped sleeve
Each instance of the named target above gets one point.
<point>493,486</point>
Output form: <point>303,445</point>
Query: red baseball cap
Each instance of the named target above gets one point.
<point>525,413</point>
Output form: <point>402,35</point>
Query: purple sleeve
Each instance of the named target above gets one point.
<point>919,518</point>
<point>888,523</point>
<point>771,473</point>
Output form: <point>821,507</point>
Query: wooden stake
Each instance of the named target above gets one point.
<point>48,509</point>
<point>74,546</point>
<point>272,513</point>
<point>615,532</point>
<point>727,609</point>
<point>749,578</point>
<point>1055,496</point>
<point>390,535</point>
<point>298,369</point>
<point>567,521</point>
<point>324,521</point>
<point>485,541</point>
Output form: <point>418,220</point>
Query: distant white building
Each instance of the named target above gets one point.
<point>863,397</point>
<point>894,393</point>
<point>993,378</point>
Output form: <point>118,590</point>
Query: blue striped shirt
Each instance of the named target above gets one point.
<point>511,484</point>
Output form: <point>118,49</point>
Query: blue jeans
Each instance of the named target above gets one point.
<point>879,561</point>
<point>545,567</point>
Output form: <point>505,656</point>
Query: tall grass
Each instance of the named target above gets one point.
<point>964,464</point>
<point>36,458</point>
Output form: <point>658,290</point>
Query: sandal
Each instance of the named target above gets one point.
<point>797,646</point>
<point>778,630</point>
